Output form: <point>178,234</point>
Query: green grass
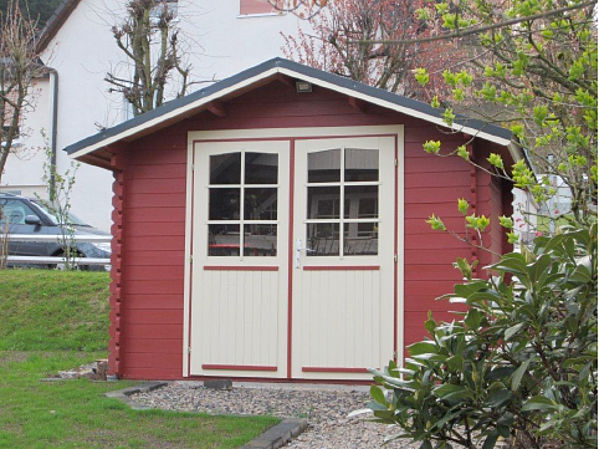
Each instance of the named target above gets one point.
<point>53,320</point>
<point>47,310</point>
<point>75,414</point>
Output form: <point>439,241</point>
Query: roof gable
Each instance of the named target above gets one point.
<point>55,22</point>
<point>251,78</point>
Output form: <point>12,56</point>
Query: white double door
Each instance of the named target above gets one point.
<point>293,257</point>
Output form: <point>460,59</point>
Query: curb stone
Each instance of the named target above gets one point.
<point>124,393</point>
<point>278,435</point>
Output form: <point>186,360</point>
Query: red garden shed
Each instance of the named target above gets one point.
<point>272,226</point>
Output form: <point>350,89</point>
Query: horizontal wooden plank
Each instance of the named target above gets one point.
<point>163,346</point>
<point>144,316</point>
<point>437,179</point>
<point>137,200</point>
<point>420,226</point>
<point>140,229</point>
<point>433,240</point>
<point>159,153</point>
<point>134,186</point>
<point>162,372</point>
<point>433,164</point>
<point>443,210</point>
<point>148,273</point>
<point>145,257</point>
<point>431,273</point>
<point>155,171</point>
<point>427,288</point>
<point>423,303</point>
<point>148,360</point>
<point>443,194</point>
<point>153,301</point>
<point>158,286</point>
<point>435,256</point>
<point>152,331</point>
<point>154,215</point>
<point>155,243</point>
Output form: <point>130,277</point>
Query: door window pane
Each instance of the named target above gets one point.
<point>225,168</point>
<point>261,168</point>
<point>324,166</point>
<point>361,202</point>
<point>260,204</point>
<point>323,202</point>
<point>322,239</point>
<point>360,239</point>
<point>260,240</point>
<point>224,204</point>
<point>361,165</point>
<point>223,240</point>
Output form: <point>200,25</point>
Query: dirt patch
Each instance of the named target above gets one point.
<point>7,357</point>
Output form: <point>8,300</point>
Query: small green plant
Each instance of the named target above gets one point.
<point>520,364</point>
<point>60,187</point>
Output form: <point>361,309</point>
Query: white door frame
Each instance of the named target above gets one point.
<point>396,131</point>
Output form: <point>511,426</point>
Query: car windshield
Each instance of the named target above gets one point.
<point>73,219</point>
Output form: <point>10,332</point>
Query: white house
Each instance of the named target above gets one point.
<point>221,37</point>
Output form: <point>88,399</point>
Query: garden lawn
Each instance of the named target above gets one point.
<point>53,320</point>
<point>50,310</point>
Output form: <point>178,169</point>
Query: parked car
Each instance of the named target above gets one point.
<point>31,217</point>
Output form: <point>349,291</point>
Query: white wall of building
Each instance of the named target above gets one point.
<point>23,171</point>
<point>219,42</point>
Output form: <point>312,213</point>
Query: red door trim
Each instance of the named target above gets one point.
<point>193,155</point>
<point>341,268</point>
<point>216,366</point>
<point>323,369</point>
<point>240,268</point>
<point>290,255</point>
<point>395,252</point>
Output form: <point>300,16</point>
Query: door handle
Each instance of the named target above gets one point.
<point>298,252</point>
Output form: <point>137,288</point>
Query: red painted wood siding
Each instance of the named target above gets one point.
<point>151,341</point>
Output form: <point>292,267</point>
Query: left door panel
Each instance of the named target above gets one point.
<point>239,252</point>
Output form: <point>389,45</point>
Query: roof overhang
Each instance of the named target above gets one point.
<point>182,108</point>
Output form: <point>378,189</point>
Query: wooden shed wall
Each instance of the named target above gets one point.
<point>151,336</point>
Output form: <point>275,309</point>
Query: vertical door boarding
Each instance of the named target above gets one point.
<point>239,252</point>
<point>343,271</point>
<point>292,238</point>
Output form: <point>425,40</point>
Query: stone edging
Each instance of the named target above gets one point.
<point>278,435</point>
<point>124,393</point>
<point>272,438</point>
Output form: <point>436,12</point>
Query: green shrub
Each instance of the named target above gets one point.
<point>520,364</point>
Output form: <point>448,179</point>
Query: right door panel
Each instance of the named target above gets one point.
<point>343,289</point>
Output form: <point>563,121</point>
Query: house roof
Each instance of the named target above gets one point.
<point>181,108</point>
<point>55,22</point>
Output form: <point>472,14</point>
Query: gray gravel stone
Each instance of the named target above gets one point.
<point>325,408</point>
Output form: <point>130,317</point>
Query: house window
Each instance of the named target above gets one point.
<point>242,204</point>
<point>169,6</point>
<point>257,7</point>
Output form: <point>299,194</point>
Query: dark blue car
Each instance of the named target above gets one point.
<point>30,217</point>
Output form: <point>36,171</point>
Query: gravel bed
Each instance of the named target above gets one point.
<point>325,408</point>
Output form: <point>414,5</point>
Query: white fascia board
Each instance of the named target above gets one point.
<point>249,81</point>
<point>175,112</point>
